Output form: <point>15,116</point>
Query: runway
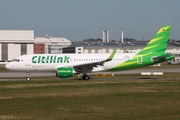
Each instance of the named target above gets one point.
<point>21,74</point>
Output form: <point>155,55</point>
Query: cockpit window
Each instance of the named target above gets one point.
<point>15,60</point>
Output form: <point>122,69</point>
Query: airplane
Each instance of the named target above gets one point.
<point>67,65</point>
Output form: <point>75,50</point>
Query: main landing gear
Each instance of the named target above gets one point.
<point>85,77</point>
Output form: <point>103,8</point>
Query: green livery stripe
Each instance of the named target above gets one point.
<point>141,55</point>
<point>127,63</point>
<point>155,39</point>
<point>156,47</point>
<point>150,47</point>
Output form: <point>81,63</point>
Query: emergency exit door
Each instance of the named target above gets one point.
<point>139,59</point>
<point>28,61</point>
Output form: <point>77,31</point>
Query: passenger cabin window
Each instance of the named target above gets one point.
<point>15,60</point>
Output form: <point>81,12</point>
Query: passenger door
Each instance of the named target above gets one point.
<point>139,59</point>
<point>28,61</point>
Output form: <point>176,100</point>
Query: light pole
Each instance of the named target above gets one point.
<point>122,31</point>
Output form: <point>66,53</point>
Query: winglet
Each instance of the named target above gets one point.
<point>111,56</point>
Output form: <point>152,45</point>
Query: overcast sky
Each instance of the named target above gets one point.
<point>82,19</point>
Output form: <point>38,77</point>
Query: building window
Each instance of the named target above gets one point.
<point>107,50</point>
<point>89,51</point>
<point>4,50</point>
<point>23,49</point>
<point>96,50</point>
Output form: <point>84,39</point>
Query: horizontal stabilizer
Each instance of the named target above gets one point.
<point>162,58</point>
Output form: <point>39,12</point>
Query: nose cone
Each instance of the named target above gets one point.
<point>8,66</point>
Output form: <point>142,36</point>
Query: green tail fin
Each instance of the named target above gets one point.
<point>157,45</point>
<point>152,53</point>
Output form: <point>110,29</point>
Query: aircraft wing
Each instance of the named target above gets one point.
<point>88,67</point>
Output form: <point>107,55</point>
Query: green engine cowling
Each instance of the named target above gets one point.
<point>64,72</point>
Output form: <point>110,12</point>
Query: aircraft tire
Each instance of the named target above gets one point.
<point>85,77</point>
<point>28,78</point>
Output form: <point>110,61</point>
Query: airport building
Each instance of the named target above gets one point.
<point>14,43</point>
<point>50,45</point>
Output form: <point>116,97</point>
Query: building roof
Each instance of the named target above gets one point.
<point>50,39</point>
<point>117,45</point>
<point>17,36</point>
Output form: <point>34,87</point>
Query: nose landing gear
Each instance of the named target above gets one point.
<point>28,77</point>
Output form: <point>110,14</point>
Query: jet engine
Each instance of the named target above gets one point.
<point>64,72</point>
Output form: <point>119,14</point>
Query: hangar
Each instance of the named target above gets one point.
<point>14,43</point>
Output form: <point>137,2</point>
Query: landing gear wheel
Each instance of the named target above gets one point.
<point>85,77</point>
<point>28,78</point>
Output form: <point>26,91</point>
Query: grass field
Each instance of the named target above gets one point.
<point>101,98</point>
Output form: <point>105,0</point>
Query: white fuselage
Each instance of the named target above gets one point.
<point>50,62</point>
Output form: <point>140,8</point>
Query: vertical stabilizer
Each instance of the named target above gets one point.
<point>157,45</point>
<point>152,53</point>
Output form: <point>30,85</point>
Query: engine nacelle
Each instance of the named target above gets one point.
<point>64,72</point>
